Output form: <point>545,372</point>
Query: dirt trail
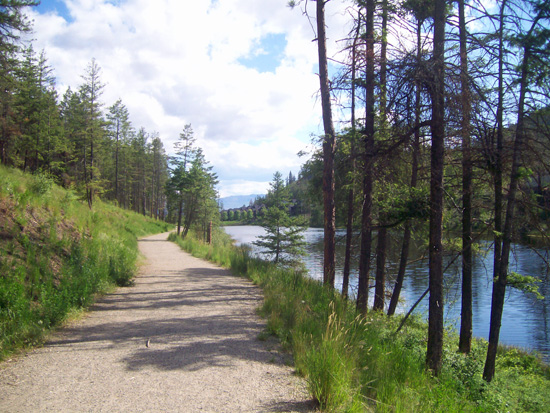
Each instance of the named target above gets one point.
<point>184,338</point>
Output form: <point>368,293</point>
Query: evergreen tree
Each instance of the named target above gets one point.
<point>72,118</point>
<point>119,130</point>
<point>37,115</point>
<point>94,131</point>
<point>185,151</point>
<point>12,24</point>
<point>191,187</point>
<point>199,194</point>
<point>159,177</point>
<point>284,238</point>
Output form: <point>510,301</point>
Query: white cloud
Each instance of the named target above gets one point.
<point>173,62</point>
<point>243,187</point>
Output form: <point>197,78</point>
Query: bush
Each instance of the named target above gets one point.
<point>40,184</point>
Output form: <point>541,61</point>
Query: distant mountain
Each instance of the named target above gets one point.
<point>237,201</point>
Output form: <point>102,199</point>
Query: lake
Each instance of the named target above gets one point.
<point>525,322</point>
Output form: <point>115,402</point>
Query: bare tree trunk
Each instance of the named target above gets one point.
<point>366,218</point>
<point>465,339</point>
<point>382,245</point>
<point>401,271</point>
<point>379,290</point>
<point>190,216</point>
<point>349,238</point>
<point>414,179</point>
<point>498,169</point>
<point>91,194</point>
<point>351,192</point>
<point>328,152</point>
<point>434,351</point>
<point>499,287</point>
<point>116,159</point>
<point>180,213</point>
<point>86,177</point>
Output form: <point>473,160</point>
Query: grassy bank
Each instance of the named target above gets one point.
<point>361,364</point>
<point>56,254</point>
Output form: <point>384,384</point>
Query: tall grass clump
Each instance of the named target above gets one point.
<point>56,255</point>
<point>356,363</point>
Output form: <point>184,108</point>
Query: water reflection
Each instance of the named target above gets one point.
<point>525,319</point>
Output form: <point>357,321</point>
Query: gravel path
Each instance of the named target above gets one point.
<point>184,338</point>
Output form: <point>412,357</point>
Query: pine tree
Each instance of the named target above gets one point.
<point>94,131</point>
<point>284,238</point>
<point>12,24</point>
<point>119,130</point>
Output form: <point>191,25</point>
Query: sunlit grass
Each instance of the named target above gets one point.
<point>354,363</point>
<point>56,255</point>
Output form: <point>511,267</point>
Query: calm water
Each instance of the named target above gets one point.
<point>526,320</point>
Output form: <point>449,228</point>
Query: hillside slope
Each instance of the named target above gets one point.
<point>56,254</point>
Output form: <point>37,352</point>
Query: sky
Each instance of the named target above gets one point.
<point>243,73</point>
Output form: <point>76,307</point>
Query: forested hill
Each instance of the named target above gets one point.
<point>56,254</point>
<point>90,146</point>
<point>76,140</point>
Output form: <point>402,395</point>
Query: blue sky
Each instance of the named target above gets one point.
<point>54,6</point>
<point>266,56</point>
<point>242,72</point>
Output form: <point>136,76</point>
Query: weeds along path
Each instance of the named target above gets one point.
<point>184,338</point>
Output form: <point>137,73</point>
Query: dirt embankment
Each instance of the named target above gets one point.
<point>34,226</point>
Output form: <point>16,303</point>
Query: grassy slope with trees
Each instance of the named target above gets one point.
<point>56,254</point>
<point>76,139</point>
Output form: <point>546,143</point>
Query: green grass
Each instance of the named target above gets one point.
<point>56,255</point>
<point>233,223</point>
<point>357,364</point>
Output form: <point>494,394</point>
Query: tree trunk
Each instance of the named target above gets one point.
<point>401,271</point>
<point>86,177</point>
<point>91,191</point>
<point>351,192</point>
<point>465,340</point>
<point>434,351</point>
<point>498,168</point>
<point>379,290</point>
<point>499,287</point>
<point>190,216</point>
<point>116,160</point>
<point>414,178</point>
<point>328,152</point>
<point>366,218</point>
<point>180,213</point>
<point>382,245</point>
